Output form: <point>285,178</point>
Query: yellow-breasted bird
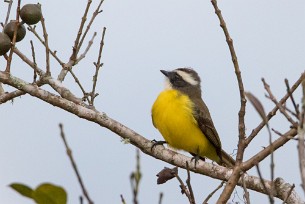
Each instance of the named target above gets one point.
<point>184,120</point>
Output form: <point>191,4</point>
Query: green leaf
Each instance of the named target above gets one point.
<point>48,193</point>
<point>22,189</point>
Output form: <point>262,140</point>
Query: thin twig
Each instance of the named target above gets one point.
<point>69,153</point>
<point>277,132</point>
<point>301,136</point>
<point>213,192</point>
<point>271,161</point>
<point>78,42</point>
<point>79,84</point>
<point>98,65</point>
<point>184,189</point>
<point>9,60</point>
<point>95,13</point>
<point>122,199</point>
<point>29,62</point>
<point>55,84</point>
<point>45,35</point>
<point>34,60</point>
<point>261,155</point>
<point>135,179</point>
<point>260,109</point>
<point>290,111</point>
<point>246,192</point>
<point>188,182</point>
<point>68,66</point>
<point>270,196</point>
<point>82,56</point>
<point>288,194</point>
<point>281,108</point>
<point>296,108</point>
<point>281,135</point>
<point>80,31</point>
<point>256,130</point>
<point>8,12</point>
<point>53,53</point>
<point>160,198</point>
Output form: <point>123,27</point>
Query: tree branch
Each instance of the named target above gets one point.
<point>225,195</point>
<point>159,152</point>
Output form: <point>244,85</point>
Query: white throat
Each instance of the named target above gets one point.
<point>167,84</point>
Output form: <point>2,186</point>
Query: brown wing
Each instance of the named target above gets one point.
<point>206,125</point>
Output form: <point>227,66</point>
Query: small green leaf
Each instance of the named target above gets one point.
<point>22,189</point>
<point>48,193</point>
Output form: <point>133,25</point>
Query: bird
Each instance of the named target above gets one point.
<point>184,120</point>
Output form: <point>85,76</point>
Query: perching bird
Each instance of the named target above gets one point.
<point>184,120</point>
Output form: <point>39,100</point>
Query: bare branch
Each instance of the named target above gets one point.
<point>53,53</point>
<point>98,65</point>
<point>184,189</point>
<point>224,197</point>
<point>188,182</point>
<point>8,12</point>
<point>159,152</point>
<point>280,107</point>
<point>301,137</point>
<point>55,84</point>
<point>122,199</point>
<point>95,13</point>
<point>80,31</point>
<point>213,192</point>
<point>274,110</point>
<point>78,43</point>
<point>255,159</point>
<point>246,193</point>
<point>9,60</point>
<point>69,153</point>
<point>46,43</point>
<point>160,198</point>
<point>288,194</point>
<point>85,97</point>
<point>34,61</point>
<point>10,96</point>
<point>29,62</point>
<point>82,56</point>
<point>269,193</point>
<point>260,109</point>
<point>135,178</point>
<point>296,108</point>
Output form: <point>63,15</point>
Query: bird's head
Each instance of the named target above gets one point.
<point>185,80</point>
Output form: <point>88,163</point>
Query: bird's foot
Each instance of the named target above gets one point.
<point>155,143</point>
<point>196,157</point>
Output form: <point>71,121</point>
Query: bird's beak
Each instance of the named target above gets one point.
<point>166,73</point>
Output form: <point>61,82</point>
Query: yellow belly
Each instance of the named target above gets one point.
<point>173,116</point>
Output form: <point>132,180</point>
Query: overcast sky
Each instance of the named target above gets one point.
<point>143,37</point>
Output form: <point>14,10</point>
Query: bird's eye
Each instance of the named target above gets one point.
<point>177,77</point>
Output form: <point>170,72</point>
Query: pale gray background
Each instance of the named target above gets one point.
<point>142,38</point>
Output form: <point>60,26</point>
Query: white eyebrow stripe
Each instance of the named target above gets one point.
<point>187,77</point>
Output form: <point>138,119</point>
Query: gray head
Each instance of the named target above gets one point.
<point>185,80</point>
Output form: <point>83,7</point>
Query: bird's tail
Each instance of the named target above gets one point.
<point>226,160</point>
